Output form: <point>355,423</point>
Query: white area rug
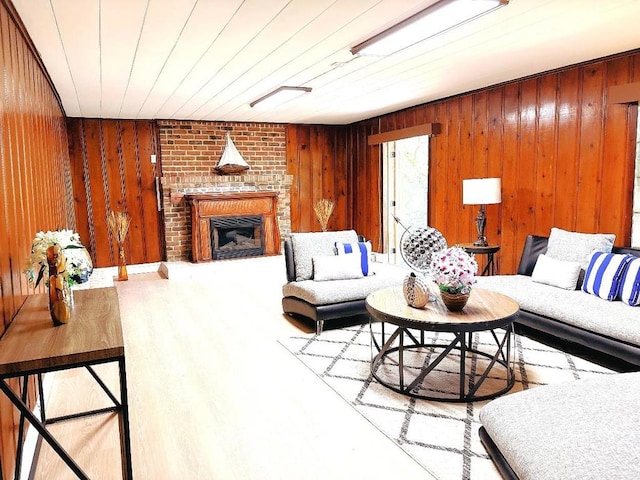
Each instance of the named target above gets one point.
<point>442,437</point>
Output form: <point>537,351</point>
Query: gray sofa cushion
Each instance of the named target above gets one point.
<point>575,307</point>
<point>337,291</point>
<point>587,429</point>
<point>316,244</point>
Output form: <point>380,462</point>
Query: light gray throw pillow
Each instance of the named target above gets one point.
<point>576,246</point>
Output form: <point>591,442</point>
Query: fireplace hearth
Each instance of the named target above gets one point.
<point>236,237</point>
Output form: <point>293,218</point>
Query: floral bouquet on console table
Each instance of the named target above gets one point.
<point>78,262</point>
<point>454,270</point>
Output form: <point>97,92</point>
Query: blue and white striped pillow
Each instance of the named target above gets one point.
<point>629,289</point>
<point>604,274</point>
<point>364,248</point>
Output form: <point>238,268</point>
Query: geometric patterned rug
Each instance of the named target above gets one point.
<point>440,436</point>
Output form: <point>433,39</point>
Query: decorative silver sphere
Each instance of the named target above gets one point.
<point>417,246</point>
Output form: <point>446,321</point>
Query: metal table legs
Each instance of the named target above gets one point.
<point>40,424</point>
<point>388,355</point>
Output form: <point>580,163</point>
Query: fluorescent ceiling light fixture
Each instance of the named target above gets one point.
<point>280,95</point>
<point>433,20</point>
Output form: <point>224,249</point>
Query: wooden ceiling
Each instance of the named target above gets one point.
<point>209,59</point>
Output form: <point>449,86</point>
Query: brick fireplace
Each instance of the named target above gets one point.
<point>190,153</point>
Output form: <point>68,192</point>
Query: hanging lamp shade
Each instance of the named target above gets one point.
<point>231,160</point>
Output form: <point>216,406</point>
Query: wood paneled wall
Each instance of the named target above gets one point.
<point>112,170</point>
<point>565,156</point>
<point>316,157</point>
<point>35,184</point>
<point>366,163</point>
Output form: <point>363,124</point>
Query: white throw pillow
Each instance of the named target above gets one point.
<point>337,267</point>
<point>361,248</point>
<point>576,246</point>
<point>557,273</point>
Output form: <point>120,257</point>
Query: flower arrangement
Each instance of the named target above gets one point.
<point>79,265</point>
<point>454,270</point>
<point>323,209</point>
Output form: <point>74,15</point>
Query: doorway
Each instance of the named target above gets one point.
<point>405,170</point>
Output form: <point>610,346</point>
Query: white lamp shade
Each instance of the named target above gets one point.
<point>481,191</point>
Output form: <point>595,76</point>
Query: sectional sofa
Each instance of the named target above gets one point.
<point>582,430</point>
<point>588,322</point>
<point>585,429</point>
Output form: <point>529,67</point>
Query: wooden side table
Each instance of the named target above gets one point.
<point>489,251</point>
<point>93,336</point>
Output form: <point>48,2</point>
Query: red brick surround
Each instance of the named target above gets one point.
<point>191,151</point>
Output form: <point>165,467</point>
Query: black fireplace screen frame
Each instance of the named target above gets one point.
<point>230,226</point>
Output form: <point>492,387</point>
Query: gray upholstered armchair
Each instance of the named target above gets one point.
<point>324,285</point>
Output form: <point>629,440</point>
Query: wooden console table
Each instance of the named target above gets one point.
<point>33,346</point>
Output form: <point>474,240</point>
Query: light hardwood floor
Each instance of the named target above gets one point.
<point>213,395</point>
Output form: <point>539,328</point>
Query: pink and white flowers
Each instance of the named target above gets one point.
<point>454,270</point>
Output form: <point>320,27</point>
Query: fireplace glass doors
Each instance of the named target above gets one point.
<point>235,237</point>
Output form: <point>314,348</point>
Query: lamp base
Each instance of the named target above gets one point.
<point>481,221</point>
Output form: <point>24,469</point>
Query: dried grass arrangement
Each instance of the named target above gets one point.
<point>118,223</point>
<point>323,209</point>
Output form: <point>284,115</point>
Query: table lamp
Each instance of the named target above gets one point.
<point>483,192</point>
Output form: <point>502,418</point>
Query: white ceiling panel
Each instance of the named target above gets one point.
<point>209,59</point>
<point>205,23</point>
<point>238,35</point>
<point>163,26</point>
<point>44,32</point>
<point>84,61</point>
<point>119,38</point>
<point>279,50</point>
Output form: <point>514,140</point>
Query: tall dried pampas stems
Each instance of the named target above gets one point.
<point>119,225</point>
<point>323,209</point>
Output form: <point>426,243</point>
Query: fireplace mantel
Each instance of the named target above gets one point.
<point>228,204</point>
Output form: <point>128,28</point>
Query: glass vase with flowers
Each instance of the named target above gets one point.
<point>62,261</point>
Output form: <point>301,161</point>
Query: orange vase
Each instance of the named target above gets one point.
<point>122,265</point>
